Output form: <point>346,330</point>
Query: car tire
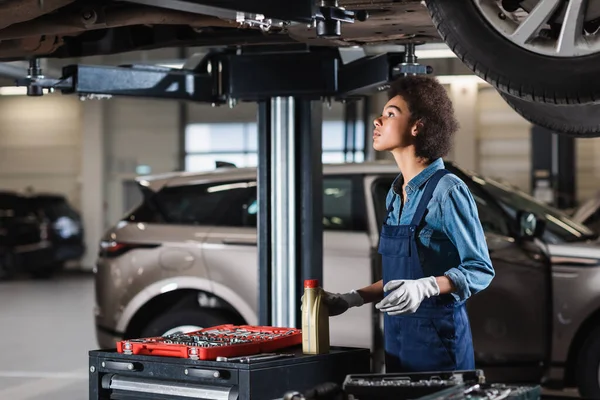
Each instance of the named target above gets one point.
<point>509,67</point>
<point>201,318</point>
<point>7,265</point>
<point>46,271</point>
<point>579,120</point>
<point>587,371</point>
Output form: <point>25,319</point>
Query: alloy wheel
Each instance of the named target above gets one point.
<point>558,28</point>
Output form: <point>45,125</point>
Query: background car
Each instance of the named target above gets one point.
<point>589,213</point>
<point>186,258</point>
<point>24,243</point>
<point>65,227</point>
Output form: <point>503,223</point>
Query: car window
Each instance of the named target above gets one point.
<point>220,204</point>
<point>212,204</point>
<point>235,204</point>
<point>55,208</point>
<point>559,226</point>
<point>13,206</point>
<point>343,205</point>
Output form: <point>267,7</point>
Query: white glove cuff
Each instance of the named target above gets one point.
<point>353,299</point>
<point>430,286</point>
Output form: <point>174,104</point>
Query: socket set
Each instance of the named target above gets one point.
<point>408,385</point>
<point>493,391</point>
<point>211,343</point>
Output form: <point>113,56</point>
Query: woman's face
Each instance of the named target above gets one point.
<point>393,129</point>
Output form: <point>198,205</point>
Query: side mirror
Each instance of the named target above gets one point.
<point>530,226</point>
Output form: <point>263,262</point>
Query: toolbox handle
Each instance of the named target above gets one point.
<point>205,373</point>
<point>122,366</point>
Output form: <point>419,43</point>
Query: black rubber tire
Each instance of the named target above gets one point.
<point>509,67</point>
<point>579,120</point>
<point>45,273</point>
<point>7,265</point>
<point>201,317</point>
<point>588,366</point>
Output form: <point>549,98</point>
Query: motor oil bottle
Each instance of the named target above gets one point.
<point>315,319</point>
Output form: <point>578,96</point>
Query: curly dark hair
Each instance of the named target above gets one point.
<point>429,104</point>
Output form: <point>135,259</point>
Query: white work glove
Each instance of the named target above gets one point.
<point>340,303</point>
<point>406,295</point>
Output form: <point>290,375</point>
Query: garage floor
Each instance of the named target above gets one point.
<point>47,330</point>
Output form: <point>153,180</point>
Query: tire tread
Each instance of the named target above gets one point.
<point>500,82</point>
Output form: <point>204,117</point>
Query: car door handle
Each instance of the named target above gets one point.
<point>239,242</point>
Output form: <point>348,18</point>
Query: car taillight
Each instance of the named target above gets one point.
<point>111,249</point>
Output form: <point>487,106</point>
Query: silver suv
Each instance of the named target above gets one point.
<point>186,258</point>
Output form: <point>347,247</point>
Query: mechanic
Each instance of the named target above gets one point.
<point>432,243</point>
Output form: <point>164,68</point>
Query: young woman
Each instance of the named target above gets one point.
<point>432,244</point>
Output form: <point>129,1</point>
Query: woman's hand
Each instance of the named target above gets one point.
<point>407,295</point>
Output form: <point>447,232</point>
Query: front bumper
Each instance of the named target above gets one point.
<point>68,251</point>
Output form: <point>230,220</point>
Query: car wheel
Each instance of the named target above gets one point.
<point>46,271</point>
<point>7,265</point>
<point>588,366</point>
<point>580,120</point>
<point>519,53</point>
<point>187,320</point>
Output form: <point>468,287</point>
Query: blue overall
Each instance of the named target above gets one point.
<point>437,337</point>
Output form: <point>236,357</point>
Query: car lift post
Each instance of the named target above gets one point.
<point>288,84</point>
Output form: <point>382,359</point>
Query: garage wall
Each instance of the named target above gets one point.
<point>503,140</point>
<point>40,144</point>
<point>588,168</point>
<point>138,132</point>
<point>202,113</point>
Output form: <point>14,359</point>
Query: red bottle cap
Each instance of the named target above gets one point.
<point>311,283</point>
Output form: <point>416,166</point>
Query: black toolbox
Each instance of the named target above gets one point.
<point>120,376</point>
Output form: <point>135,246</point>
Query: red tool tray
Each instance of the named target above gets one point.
<point>218,341</point>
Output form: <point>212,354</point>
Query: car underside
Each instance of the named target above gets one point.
<point>76,28</point>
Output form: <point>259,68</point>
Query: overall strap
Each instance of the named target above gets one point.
<point>427,195</point>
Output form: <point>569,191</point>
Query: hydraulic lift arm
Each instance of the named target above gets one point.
<point>236,75</point>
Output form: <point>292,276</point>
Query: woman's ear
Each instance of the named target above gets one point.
<point>416,128</point>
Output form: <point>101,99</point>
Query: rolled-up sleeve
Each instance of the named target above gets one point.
<point>462,226</point>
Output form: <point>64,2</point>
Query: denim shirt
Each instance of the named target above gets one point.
<point>451,239</point>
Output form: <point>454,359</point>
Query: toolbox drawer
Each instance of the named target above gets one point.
<point>120,376</point>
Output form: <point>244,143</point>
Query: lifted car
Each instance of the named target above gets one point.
<point>537,51</point>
